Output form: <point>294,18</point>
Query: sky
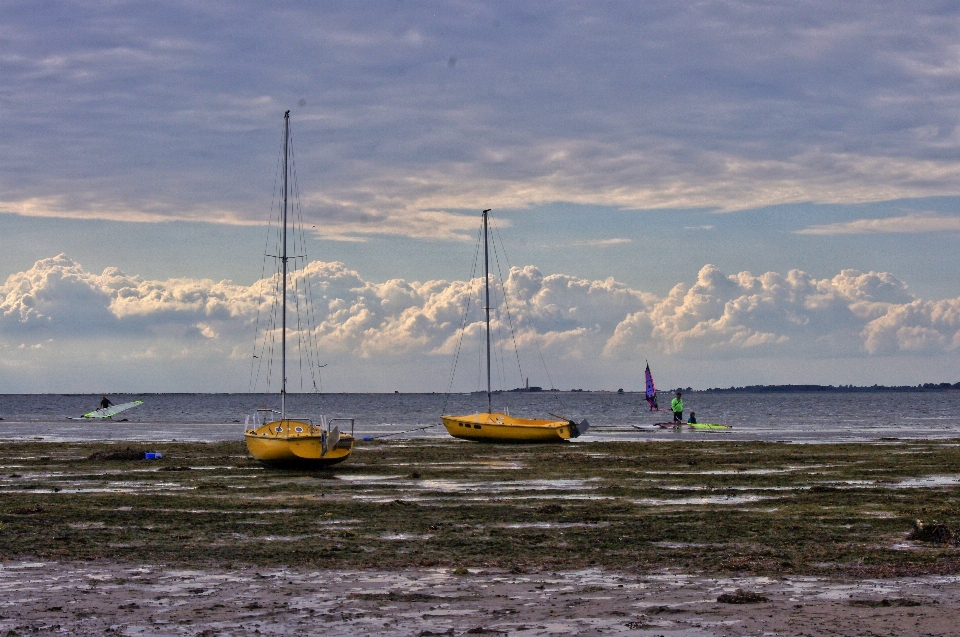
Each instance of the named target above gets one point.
<point>737,192</point>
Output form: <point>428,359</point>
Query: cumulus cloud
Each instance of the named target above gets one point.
<point>913,223</point>
<point>746,315</point>
<point>158,112</point>
<point>57,297</point>
<point>56,311</point>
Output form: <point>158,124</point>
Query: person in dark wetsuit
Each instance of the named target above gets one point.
<point>693,418</point>
<point>105,402</point>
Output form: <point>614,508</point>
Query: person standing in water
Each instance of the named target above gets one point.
<point>676,405</point>
<point>105,402</point>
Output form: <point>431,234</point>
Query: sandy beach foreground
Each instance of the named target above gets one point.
<point>428,537</point>
<point>104,598</point>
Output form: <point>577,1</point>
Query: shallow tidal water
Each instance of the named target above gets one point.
<point>790,417</point>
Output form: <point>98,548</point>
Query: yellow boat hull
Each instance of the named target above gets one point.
<point>294,442</point>
<point>494,427</point>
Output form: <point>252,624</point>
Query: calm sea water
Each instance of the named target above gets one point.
<point>796,417</point>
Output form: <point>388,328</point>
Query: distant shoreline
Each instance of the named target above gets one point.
<point>713,390</point>
<point>831,388</point>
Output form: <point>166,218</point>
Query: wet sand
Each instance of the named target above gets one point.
<point>105,598</point>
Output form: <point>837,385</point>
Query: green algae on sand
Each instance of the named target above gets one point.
<point>712,507</point>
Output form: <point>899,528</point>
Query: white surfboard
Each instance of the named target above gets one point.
<point>109,412</point>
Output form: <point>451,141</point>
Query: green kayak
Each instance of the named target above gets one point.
<point>707,425</point>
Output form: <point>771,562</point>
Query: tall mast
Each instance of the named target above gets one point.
<point>486,285</point>
<point>283,260</point>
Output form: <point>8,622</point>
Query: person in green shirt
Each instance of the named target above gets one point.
<point>676,405</point>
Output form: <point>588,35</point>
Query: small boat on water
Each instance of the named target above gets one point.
<point>491,426</point>
<point>272,437</point>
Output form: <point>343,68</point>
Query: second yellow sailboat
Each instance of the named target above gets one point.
<point>491,426</point>
<point>495,427</point>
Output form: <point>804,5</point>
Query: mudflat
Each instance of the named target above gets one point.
<point>556,535</point>
<point>113,599</point>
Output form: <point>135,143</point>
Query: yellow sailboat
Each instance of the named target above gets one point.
<point>497,427</point>
<point>491,426</point>
<point>297,441</point>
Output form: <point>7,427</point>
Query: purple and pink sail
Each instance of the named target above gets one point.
<point>651,390</point>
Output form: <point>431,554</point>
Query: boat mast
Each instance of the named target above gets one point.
<point>486,285</point>
<point>283,260</point>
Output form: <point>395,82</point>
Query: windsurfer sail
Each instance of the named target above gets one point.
<point>651,390</point>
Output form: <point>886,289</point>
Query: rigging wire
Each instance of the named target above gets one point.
<point>506,303</point>
<point>257,361</point>
<point>501,355</point>
<point>297,274</point>
<point>274,312</point>
<point>277,303</point>
<point>536,337</point>
<point>299,255</point>
<point>400,433</point>
<point>311,345</point>
<point>497,339</point>
<point>267,329</point>
<point>296,305</point>
<point>463,320</point>
<point>499,362</point>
